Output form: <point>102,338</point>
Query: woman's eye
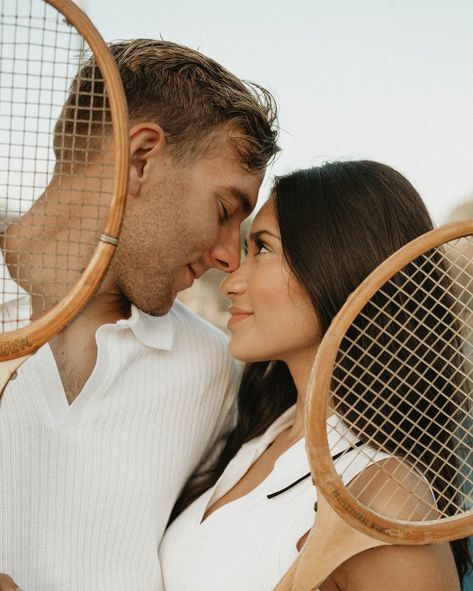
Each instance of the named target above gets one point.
<point>261,247</point>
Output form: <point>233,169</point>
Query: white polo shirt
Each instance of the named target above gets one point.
<point>86,489</point>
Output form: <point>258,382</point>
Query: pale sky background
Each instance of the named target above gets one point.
<point>389,80</point>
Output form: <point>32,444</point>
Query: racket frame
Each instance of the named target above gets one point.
<point>327,481</point>
<point>26,340</point>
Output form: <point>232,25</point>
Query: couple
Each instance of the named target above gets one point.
<point>98,456</point>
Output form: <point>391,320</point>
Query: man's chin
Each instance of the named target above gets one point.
<point>160,308</point>
<point>161,311</point>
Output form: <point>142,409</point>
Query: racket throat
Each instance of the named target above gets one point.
<point>330,543</point>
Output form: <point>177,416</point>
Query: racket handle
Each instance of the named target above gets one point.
<point>330,543</point>
<point>285,584</point>
<point>7,369</point>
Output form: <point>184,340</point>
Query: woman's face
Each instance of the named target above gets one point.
<point>272,317</point>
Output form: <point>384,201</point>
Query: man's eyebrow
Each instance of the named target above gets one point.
<point>242,197</point>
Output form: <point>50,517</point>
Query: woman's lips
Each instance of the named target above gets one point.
<point>237,315</point>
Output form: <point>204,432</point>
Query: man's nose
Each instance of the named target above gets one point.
<point>225,254</point>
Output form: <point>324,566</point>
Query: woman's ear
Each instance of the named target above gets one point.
<point>147,144</point>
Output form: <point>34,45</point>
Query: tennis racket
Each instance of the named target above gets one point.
<point>63,170</point>
<point>392,385</point>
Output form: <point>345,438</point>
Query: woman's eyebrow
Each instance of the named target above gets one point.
<point>255,235</point>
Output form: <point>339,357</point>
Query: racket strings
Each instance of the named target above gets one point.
<point>392,379</point>
<point>390,375</point>
<point>424,465</point>
<point>402,384</point>
<point>403,325</point>
<point>54,122</point>
<point>385,493</point>
<point>415,350</point>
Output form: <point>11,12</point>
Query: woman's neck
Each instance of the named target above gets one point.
<point>300,367</point>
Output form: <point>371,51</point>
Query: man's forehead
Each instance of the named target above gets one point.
<point>228,142</point>
<point>231,173</point>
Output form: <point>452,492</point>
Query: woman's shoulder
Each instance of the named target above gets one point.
<point>395,489</point>
<point>389,568</point>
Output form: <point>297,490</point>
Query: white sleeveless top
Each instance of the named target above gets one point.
<point>249,543</point>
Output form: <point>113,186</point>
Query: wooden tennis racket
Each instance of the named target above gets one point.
<point>394,373</point>
<point>63,170</point>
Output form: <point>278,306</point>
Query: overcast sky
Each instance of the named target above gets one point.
<point>389,80</point>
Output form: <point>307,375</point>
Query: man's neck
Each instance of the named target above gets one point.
<point>105,308</point>
<point>75,348</point>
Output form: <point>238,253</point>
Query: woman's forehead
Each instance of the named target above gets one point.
<point>265,219</point>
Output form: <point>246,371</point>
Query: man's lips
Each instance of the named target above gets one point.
<point>238,314</point>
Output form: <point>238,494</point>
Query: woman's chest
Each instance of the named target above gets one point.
<point>253,475</point>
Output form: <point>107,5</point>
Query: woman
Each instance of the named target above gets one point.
<point>320,234</point>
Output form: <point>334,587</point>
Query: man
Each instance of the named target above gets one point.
<point>107,422</point>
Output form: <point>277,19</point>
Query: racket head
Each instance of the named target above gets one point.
<point>44,49</point>
<point>449,248</point>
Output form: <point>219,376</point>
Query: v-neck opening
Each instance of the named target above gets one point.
<point>61,412</point>
<point>336,445</point>
<point>52,389</point>
<point>263,484</point>
<point>258,445</point>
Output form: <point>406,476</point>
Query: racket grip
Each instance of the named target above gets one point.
<point>330,542</point>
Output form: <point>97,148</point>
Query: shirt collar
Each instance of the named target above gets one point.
<point>152,331</point>
<point>282,422</point>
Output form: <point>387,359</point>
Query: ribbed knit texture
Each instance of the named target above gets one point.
<point>86,490</point>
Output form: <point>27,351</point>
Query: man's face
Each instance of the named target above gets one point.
<point>185,220</point>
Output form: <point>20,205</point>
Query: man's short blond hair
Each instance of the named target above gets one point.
<point>188,94</point>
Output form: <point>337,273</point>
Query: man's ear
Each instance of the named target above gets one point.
<point>147,140</point>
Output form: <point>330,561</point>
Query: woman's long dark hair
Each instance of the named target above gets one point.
<point>338,222</point>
